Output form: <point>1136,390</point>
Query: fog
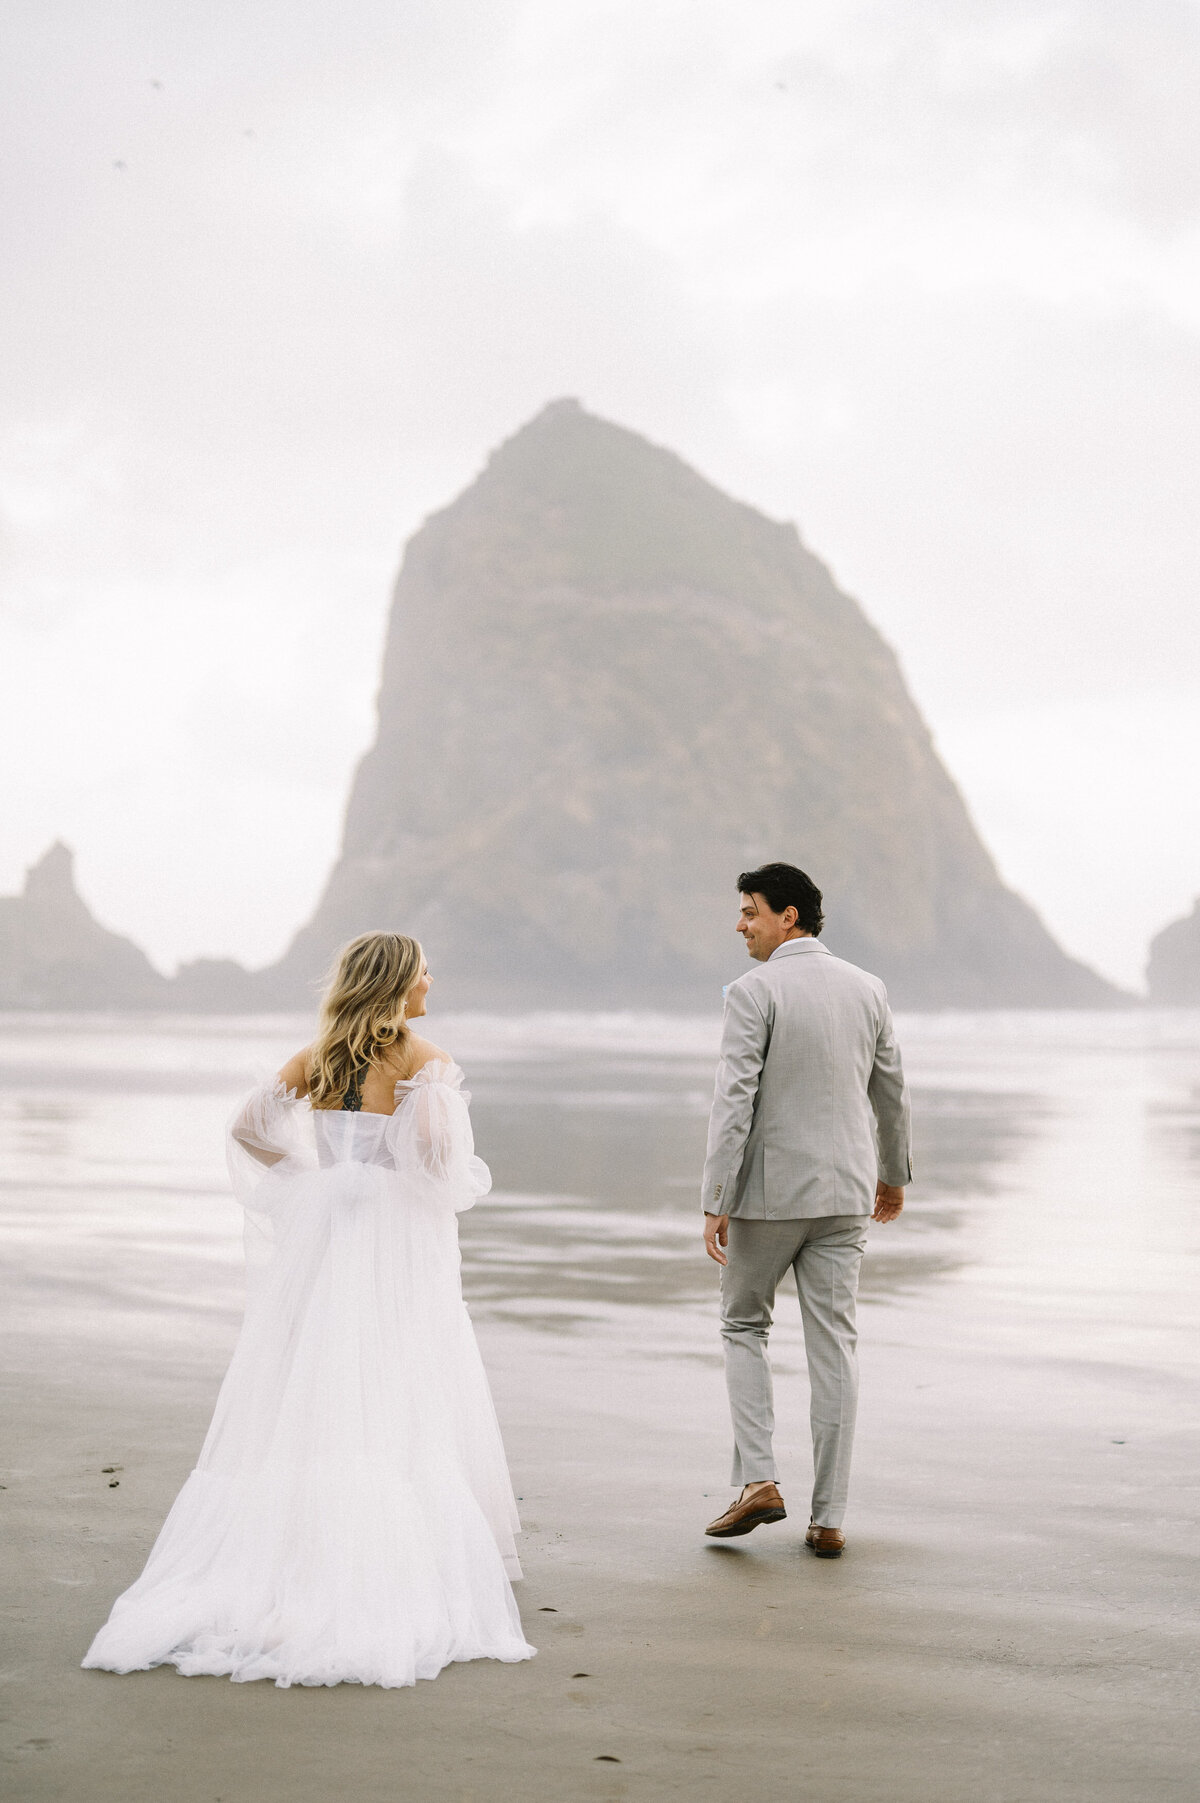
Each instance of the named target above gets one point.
<point>922,277</point>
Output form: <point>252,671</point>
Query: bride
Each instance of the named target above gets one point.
<point>350,1518</point>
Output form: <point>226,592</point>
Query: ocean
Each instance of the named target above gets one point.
<point>1054,1207</point>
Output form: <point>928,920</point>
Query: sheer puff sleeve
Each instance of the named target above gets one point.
<point>431,1138</point>
<point>263,1145</point>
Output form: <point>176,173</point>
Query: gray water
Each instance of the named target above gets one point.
<point>1057,1160</point>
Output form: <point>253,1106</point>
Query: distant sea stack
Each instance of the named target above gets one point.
<point>607,689</point>
<point>1173,973</point>
<point>55,955</point>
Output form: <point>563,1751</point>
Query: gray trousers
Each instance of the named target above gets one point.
<point>825,1255</point>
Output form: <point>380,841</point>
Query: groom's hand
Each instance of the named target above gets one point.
<point>716,1237</point>
<point>888,1202</point>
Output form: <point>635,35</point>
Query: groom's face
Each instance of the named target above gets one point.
<point>761,928</point>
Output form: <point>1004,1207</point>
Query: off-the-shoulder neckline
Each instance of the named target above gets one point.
<point>430,1065</point>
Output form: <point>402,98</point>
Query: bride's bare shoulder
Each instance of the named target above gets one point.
<point>294,1074</point>
<point>414,1054</point>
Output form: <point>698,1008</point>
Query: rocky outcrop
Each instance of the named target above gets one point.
<point>1173,973</point>
<point>220,986</point>
<point>607,688</point>
<point>54,954</point>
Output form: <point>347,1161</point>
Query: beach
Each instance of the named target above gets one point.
<point>1015,1618</point>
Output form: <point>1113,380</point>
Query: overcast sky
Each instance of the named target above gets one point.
<point>923,277</point>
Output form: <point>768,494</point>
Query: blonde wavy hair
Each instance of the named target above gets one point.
<point>362,1011</point>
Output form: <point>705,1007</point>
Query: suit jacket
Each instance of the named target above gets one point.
<point>811,1108</point>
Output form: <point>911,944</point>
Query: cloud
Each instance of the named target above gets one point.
<point>921,276</point>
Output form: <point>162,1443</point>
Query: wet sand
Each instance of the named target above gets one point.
<point>1015,1619</point>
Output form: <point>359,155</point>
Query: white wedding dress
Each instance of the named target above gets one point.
<point>350,1518</point>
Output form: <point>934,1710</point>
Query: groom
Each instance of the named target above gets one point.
<point>808,1138</point>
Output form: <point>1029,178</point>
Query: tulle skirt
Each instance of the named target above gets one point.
<point>351,1518</point>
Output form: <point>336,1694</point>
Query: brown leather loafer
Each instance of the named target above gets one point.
<point>827,1543</point>
<point>748,1512</point>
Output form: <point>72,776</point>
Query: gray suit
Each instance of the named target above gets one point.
<point>810,1112</point>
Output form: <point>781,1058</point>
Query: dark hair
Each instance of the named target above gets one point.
<point>783,886</point>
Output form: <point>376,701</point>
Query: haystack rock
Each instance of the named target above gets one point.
<point>54,954</point>
<point>607,689</point>
<point>1173,973</point>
